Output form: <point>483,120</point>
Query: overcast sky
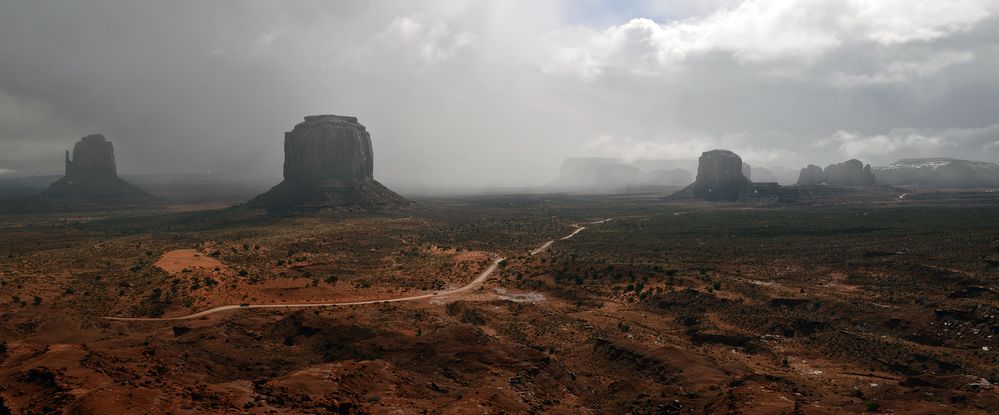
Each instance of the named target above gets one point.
<point>498,93</point>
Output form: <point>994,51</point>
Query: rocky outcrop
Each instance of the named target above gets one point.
<point>719,176</point>
<point>945,172</point>
<point>849,173</point>
<point>92,177</point>
<point>93,155</point>
<point>327,148</point>
<point>747,171</point>
<point>328,164</point>
<point>811,176</point>
<point>91,183</point>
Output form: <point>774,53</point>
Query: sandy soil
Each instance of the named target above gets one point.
<point>181,260</point>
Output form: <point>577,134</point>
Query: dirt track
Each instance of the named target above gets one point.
<point>477,281</point>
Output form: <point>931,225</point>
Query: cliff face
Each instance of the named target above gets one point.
<point>811,175</point>
<point>93,155</point>
<point>719,176</point>
<point>328,148</point>
<point>91,183</point>
<point>848,173</point>
<point>328,164</point>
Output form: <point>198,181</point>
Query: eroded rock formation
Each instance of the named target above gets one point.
<point>92,177</point>
<point>849,173</point>
<point>719,176</point>
<point>328,163</point>
<point>93,155</point>
<point>811,175</point>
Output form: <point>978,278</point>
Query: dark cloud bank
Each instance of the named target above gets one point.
<point>469,94</point>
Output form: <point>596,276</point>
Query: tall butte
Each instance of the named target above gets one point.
<point>92,177</point>
<point>721,177</point>
<point>328,164</point>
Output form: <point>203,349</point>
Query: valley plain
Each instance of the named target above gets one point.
<point>832,304</point>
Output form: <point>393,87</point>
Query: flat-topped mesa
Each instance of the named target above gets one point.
<point>852,172</point>
<point>327,148</point>
<point>92,155</point>
<point>719,176</point>
<point>722,176</point>
<point>811,175</point>
<point>328,163</point>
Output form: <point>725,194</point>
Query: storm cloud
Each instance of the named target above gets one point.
<point>498,94</point>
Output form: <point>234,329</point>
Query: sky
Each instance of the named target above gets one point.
<point>480,94</point>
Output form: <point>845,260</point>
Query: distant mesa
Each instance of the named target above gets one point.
<point>610,175</point>
<point>762,174</point>
<point>328,164</point>
<point>93,155</point>
<point>722,176</point>
<point>943,172</point>
<point>92,177</point>
<point>91,182</point>
<point>849,173</point>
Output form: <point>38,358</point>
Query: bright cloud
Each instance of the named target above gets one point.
<point>971,143</point>
<point>429,43</point>
<point>765,32</point>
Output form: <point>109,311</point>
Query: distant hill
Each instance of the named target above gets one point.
<point>609,175</point>
<point>939,171</point>
<point>178,187</point>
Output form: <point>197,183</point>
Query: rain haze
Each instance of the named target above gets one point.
<point>473,94</point>
<point>499,207</point>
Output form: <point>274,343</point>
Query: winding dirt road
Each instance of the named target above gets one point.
<point>476,282</point>
<point>579,228</point>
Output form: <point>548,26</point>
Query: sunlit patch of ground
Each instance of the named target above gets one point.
<point>175,262</point>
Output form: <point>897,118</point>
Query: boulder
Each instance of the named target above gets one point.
<point>328,164</point>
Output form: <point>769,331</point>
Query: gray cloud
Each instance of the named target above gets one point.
<point>465,94</point>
